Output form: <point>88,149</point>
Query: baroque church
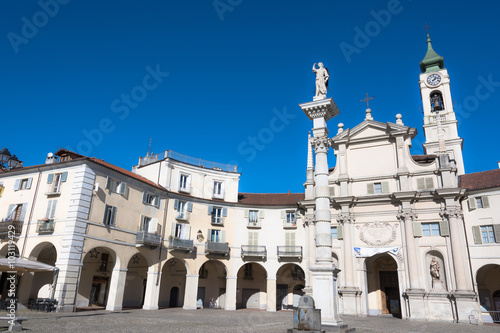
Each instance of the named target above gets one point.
<point>412,236</point>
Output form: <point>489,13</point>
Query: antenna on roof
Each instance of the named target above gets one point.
<point>149,149</point>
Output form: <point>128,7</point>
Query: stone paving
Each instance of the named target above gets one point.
<point>219,321</point>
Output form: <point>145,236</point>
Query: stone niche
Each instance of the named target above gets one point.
<point>435,274</point>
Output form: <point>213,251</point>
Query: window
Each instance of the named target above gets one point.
<point>116,186</point>
<point>253,238</point>
<point>184,183</point>
<point>430,229</point>
<point>109,215</point>
<point>55,180</point>
<point>218,190</point>
<point>16,212</point>
<point>217,214</point>
<point>377,188</point>
<point>183,209</point>
<point>487,234</point>
<point>290,217</point>
<point>150,199</point>
<point>289,220</point>
<point>23,184</point>
<point>254,217</point>
<point>437,102</point>
<point>289,239</point>
<point>181,230</point>
<point>334,232</point>
<point>215,236</point>
<point>145,223</point>
<point>425,183</point>
<point>51,209</point>
<point>479,202</point>
<point>103,264</point>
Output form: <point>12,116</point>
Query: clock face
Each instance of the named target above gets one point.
<point>434,79</point>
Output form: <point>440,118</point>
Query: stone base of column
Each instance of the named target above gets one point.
<point>439,306</point>
<point>416,304</point>
<point>465,301</point>
<point>324,287</point>
<point>351,300</point>
<point>66,308</point>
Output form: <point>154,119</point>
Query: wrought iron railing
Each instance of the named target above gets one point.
<point>10,225</point>
<point>216,248</point>
<point>180,244</point>
<point>189,160</point>
<point>148,239</point>
<point>290,251</point>
<point>45,226</point>
<point>253,251</point>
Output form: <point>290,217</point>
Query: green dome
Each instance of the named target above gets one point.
<point>432,61</point>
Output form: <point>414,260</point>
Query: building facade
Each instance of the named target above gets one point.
<point>389,232</point>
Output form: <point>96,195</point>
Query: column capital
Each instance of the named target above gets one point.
<point>308,220</point>
<point>407,216</point>
<point>453,212</point>
<point>345,218</point>
<point>320,144</point>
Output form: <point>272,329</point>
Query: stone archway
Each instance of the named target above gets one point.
<point>95,278</point>
<point>212,284</point>
<point>251,288</point>
<point>290,280</point>
<point>488,285</point>
<point>135,284</point>
<point>384,296</point>
<point>173,283</point>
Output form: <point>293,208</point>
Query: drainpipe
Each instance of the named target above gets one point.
<point>31,212</point>
<point>162,239</point>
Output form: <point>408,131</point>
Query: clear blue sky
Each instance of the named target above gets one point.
<point>226,69</point>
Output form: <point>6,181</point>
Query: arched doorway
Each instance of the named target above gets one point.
<point>290,280</point>
<point>383,285</point>
<point>488,285</point>
<point>135,285</point>
<point>173,283</point>
<point>251,289</point>
<point>212,284</point>
<point>42,281</point>
<point>95,277</point>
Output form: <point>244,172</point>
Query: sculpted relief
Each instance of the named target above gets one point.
<point>377,233</point>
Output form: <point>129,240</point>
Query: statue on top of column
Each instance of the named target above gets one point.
<point>322,77</point>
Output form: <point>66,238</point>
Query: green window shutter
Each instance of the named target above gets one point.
<point>53,209</point>
<point>210,210</point>
<point>157,201</point>
<point>223,237</point>
<point>385,187</point>
<point>189,206</point>
<point>429,183</point>
<point>108,184</point>
<point>472,203</point>
<point>49,208</point>
<point>30,180</point>
<point>417,229</point>
<point>444,228</point>
<point>64,176</point>
<point>23,211</point>
<point>10,210</point>
<point>340,231</point>
<point>496,230</point>
<point>123,188</point>
<point>144,194</point>
<point>261,214</point>
<point>172,229</point>
<point>17,184</point>
<point>370,189</point>
<point>176,204</point>
<point>476,233</point>
<point>283,213</point>
<point>224,212</point>
<point>486,202</point>
<point>247,213</point>
<point>209,235</point>
<point>420,183</point>
<point>50,178</point>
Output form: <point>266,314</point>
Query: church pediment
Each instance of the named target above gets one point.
<point>373,130</point>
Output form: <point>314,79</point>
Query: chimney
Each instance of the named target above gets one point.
<point>51,159</point>
<point>498,164</point>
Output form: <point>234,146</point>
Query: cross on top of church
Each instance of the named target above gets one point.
<point>367,100</point>
<point>427,27</point>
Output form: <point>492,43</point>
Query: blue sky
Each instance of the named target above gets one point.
<point>222,80</point>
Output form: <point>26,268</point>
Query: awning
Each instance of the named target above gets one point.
<point>23,265</point>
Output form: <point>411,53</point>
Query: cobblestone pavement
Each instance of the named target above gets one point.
<point>219,321</point>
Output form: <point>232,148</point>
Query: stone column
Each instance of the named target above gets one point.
<point>323,271</point>
<point>271,295</point>
<point>152,289</point>
<point>116,289</point>
<point>191,292</point>
<point>311,252</point>
<point>231,283</point>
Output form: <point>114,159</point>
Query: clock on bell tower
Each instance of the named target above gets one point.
<point>440,124</point>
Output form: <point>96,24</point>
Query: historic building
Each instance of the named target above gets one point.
<point>412,236</point>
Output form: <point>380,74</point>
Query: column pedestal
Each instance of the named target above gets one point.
<point>416,304</point>
<point>439,306</point>
<point>324,284</point>
<point>351,301</point>
<point>116,290</point>
<point>465,302</point>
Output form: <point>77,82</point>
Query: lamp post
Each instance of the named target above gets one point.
<point>8,161</point>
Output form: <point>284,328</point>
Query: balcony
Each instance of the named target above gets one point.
<point>180,244</point>
<point>54,190</point>
<point>290,224</point>
<point>217,220</point>
<point>216,248</point>
<point>253,223</point>
<point>148,239</point>
<point>45,226</point>
<point>182,216</point>
<point>253,251</point>
<point>289,252</point>
<point>9,225</point>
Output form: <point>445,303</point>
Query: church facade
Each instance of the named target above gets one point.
<point>381,232</point>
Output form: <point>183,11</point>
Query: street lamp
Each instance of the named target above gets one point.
<point>8,161</point>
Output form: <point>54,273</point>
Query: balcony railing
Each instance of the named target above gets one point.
<point>253,251</point>
<point>253,223</point>
<point>290,251</point>
<point>289,224</point>
<point>10,225</point>
<point>148,239</point>
<point>180,244</point>
<point>45,226</point>
<point>217,248</point>
<point>183,216</point>
<point>217,220</point>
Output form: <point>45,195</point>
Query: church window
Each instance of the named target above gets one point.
<point>437,102</point>
<point>377,187</point>
<point>430,229</point>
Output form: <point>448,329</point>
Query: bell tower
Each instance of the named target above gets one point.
<point>440,123</point>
